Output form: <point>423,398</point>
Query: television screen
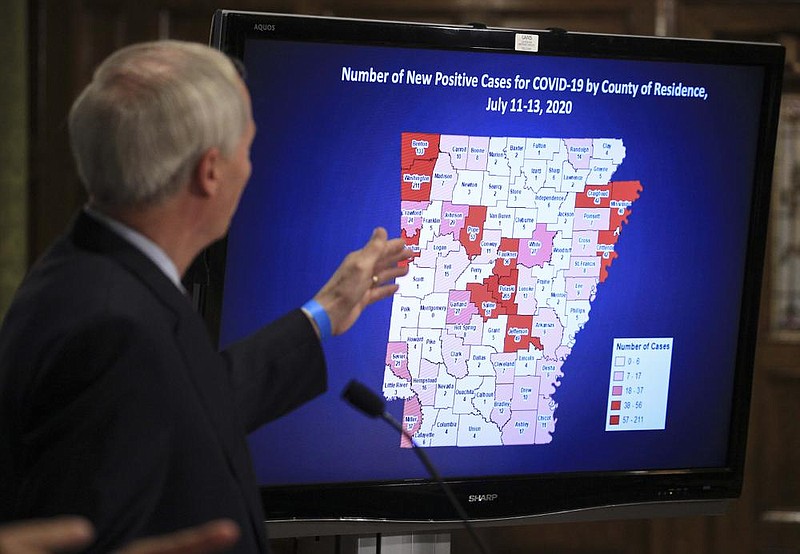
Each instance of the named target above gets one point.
<point>588,217</point>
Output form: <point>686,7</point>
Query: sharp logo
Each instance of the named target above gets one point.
<point>264,27</point>
<point>482,498</point>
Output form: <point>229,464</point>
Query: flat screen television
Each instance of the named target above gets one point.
<point>576,334</point>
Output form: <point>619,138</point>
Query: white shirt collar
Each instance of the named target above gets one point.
<point>146,246</point>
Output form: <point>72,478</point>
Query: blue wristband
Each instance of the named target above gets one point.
<point>320,318</point>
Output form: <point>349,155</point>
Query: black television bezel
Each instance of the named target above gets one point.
<point>395,506</point>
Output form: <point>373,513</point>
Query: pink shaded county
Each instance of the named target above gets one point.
<point>545,421</point>
<point>526,393</point>
<point>397,359</point>
<point>412,419</point>
<point>584,243</point>
<point>473,331</point>
<point>459,307</point>
<point>563,352</point>
<point>581,288</point>
<point>455,356</point>
<point>425,385</point>
<point>579,152</point>
<point>525,299</point>
<point>584,266</point>
<point>453,217</point>
<point>549,372</point>
<point>478,153</point>
<point>550,331</point>
<point>501,412</point>
<point>411,216</point>
<point>538,249</point>
<point>504,366</point>
<point>591,219</point>
<point>455,146</point>
<point>444,179</point>
<point>439,247</point>
<point>521,428</point>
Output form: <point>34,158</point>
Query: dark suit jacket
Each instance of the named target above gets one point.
<point>115,405</point>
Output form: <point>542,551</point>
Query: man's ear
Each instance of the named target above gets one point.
<point>206,176</point>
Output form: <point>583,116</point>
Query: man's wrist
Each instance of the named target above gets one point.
<point>319,318</point>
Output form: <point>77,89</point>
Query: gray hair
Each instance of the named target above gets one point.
<point>151,111</point>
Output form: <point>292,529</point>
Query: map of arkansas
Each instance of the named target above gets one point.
<point>512,238</point>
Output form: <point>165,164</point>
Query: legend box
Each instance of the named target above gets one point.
<point>639,384</point>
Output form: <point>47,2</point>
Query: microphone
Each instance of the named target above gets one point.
<point>366,401</point>
<point>362,398</point>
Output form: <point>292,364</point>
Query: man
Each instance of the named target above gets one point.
<point>114,404</point>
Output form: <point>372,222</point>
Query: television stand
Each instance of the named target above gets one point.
<point>415,543</point>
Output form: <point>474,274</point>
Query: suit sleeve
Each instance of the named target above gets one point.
<point>277,369</point>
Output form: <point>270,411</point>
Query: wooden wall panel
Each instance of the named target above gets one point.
<point>14,104</point>
<point>758,21</point>
<point>621,16</point>
<point>54,83</point>
<point>729,20</point>
<point>775,463</point>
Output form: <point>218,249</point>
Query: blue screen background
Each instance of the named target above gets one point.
<point>326,168</point>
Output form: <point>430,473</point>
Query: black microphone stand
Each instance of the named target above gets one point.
<point>368,402</point>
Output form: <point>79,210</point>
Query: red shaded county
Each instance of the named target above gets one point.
<point>415,182</point>
<point>514,340</point>
<point>410,153</point>
<point>594,196</point>
<point>506,293</point>
<point>623,195</point>
<point>411,242</point>
<point>493,286</point>
<point>625,192</point>
<point>506,264</point>
<point>606,238</point>
<point>484,300</point>
<point>472,232</point>
<point>490,300</point>
<point>605,263</point>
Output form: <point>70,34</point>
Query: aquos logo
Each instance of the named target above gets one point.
<point>264,27</point>
<point>482,497</point>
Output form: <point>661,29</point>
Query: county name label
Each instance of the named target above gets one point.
<point>639,384</point>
